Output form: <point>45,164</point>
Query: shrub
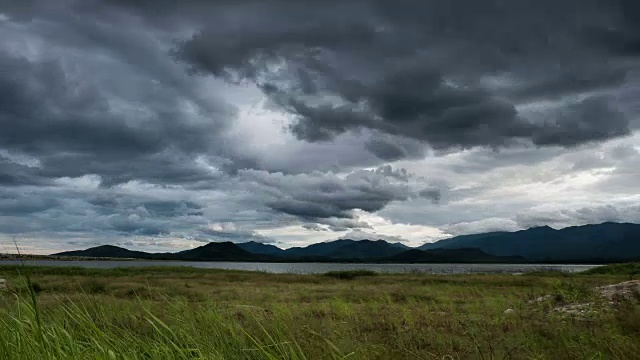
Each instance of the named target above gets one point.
<point>630,269</point>
<point>350,274</point>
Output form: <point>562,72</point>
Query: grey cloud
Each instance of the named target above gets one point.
<point>481,226</point>
<point>68,206</point>
<point>623,39</point>
<point>385,150</point>
<point>623,179</point>
<point>410,103</point>
<point>338,224</point>
<point>103,88</point>
<point>134,225</point>
<point>433,194</point>
<point>589,120</point>
<point>388,170</point>
<point>558,218</point>
<point>163,120</point>
<point>61,114</point>
<point>569,81</point>
<point>440,95</point>
<point>481,160</point>
<point>156,208</point>
<point>580,216</point>
<point>321,196</point>
<point>229,233</point>
<point>314,227</point>
<point>395,148</point>
<point>13,205</point>
<point>66,111</point>
<point>621,157</point>
<point>624,151</point>
<point>364,235</point>
<point>12,174</point>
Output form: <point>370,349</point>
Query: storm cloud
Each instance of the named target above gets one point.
<point>445,74</point>
<point>162,124</point>
<point>319,196</point>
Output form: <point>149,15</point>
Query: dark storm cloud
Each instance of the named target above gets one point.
<point>116,121</point>
<point>451,74</point>
<point>100,96</point>
<point>624,38</point>
<point>321,196</point>
<point>14,204</point>
<point>96,211</point>
<point>74,130</point>
<point>391,148</point>
<point>592,120</point>
<point>386,150</point>
<point>12,174</point>
<point>157,208</point>
<point>60,115</point>
<point>568,81</point>
<point>412,70</point>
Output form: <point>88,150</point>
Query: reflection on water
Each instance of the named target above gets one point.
<point>315,268</point>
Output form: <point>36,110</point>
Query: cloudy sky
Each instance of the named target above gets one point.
<point>158,126</point>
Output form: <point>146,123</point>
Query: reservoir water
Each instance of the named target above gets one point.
<point>318,268</point>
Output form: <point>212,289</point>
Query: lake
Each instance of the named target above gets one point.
<point>318,268</point>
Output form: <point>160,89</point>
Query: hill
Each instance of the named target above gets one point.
<point>222,251</point>
<point>607,242</point>
<point>593,243</point>
<point>259,248</point>
<point>346,249</point>
<point>107,251</point>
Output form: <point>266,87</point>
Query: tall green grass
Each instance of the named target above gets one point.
<point>97,330</point>
<point>194,314</point>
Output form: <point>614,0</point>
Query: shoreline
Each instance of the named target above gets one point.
<point>304,268</point>
<point>30,257</point>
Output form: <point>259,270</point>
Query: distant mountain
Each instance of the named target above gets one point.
<point>601,242</point>
<point>461,241</point>
<point>107,251</point>
<point>322,249</point>
<point>347,249</point>
<point>450,256</point>
<point>222,251</point>
<point>339,250</point>
<point>366,249</point>
<point>605,242</point>
<point>400,245</point>
<point>216,251</point>
<point>259,248</point>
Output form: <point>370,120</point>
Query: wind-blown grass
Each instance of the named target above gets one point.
<point>632,270</point>
<point>205,314</point>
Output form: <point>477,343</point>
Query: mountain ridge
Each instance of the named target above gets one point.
<point>213,251</point>
<point>608,240</point>
<point>595,243</point>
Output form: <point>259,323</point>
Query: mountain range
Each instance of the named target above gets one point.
<point>606,242</point>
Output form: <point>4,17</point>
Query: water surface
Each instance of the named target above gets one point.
<point>315,268</point>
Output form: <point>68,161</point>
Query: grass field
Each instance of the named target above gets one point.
<point>184,313</point>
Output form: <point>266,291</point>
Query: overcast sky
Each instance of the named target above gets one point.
<point>158,126</point>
